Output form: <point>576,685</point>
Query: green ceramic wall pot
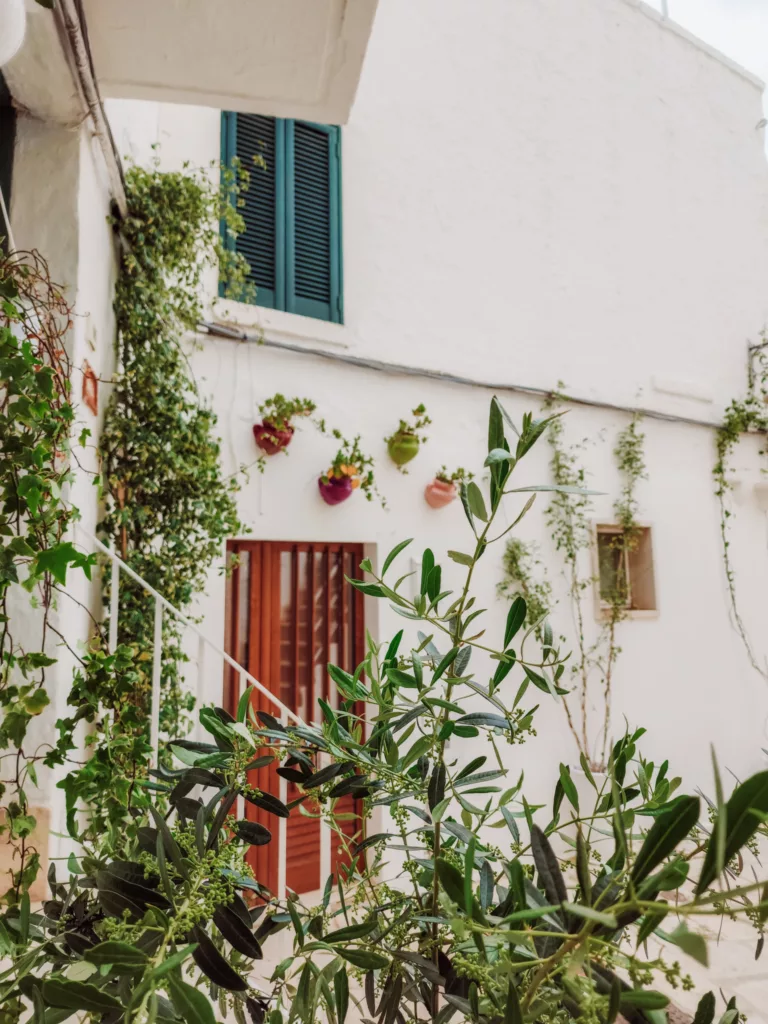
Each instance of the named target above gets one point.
<point>402,448</point>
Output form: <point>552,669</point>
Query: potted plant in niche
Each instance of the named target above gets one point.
<point>350,470</point>
<point>444,488</point>
<point>275,431</point>
<point>403,444</point>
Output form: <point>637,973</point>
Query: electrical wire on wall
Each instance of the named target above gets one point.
<point>399,369</point>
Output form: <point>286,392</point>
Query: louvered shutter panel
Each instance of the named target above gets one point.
<point>262,243</point>
<point>313,220</point>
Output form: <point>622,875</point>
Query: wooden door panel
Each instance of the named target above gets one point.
<point>289,612</point>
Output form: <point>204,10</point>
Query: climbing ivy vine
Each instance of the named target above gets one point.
<point>168,507</point>
<point>746,415</point>
<point>36,418</point>
<point>568,519</point>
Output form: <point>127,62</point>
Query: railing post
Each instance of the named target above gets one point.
<point>282,833</point>
<point>157,666</point>
<point>201,645</point>
<point>114,605</point>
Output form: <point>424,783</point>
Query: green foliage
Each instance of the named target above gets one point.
<point>542,924</point>
<point>279,411</point>
<point>743,416</point>
<point>36,417</point>
<point>351,461</point>
<point>524,573</point>
<point>404,443</point>
<point>417,428</point>
<point>568,518</point>
<point>168,508</point>
<point>457,476</point>
<point>148,906</point>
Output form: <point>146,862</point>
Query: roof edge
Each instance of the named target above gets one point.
<point>672,26</point>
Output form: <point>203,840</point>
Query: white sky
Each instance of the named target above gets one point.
<point>738,28</point>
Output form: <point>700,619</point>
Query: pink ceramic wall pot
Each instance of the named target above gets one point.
<point>439,493</point>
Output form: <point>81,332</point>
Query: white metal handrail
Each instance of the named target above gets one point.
<point>163,604</point>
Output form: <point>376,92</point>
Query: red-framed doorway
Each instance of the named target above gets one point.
<point>289,612</point>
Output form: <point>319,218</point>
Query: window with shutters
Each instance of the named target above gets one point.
<point>292,212</point>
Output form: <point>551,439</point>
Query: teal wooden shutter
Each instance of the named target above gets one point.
<point>313,220</point>
<point>262,243</point>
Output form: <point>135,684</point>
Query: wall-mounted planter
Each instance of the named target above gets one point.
<point>440,493</point>
<point>270,439</point>
<point>334,490</point>
<point>403,448</point>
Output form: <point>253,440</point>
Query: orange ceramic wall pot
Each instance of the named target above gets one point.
<point>439,493</point>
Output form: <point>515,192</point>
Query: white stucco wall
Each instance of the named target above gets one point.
<point>533,193</point>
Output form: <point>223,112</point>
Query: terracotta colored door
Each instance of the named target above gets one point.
<point>290,612</point>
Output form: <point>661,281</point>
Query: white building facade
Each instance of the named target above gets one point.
<point>527,194</point>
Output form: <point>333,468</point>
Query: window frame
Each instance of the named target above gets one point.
<point>283,297</point>
<point>650,610</point>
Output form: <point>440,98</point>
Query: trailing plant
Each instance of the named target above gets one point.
<point>568,518</point>
<point>275,432</point>
<point>36,419</point>
<point>457,476</point>
<point>403,445</point>
<point>743,416</point>
<point>168,507</point>
<point>526,574</point>
<point>279,411</point>
<point>469,926</point>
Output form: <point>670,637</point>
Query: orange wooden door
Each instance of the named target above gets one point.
<point>289,612</point>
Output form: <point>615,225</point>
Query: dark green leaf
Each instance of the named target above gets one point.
<point>582,868</point>
<point>369,589</point>
<point>452,881</point>
<point>341,992</point>
<point>513,1014</point>
<point>387,562</point>
<point>363,959</point>
<point>212,963</point>
<point>352,931</point>
<point>191,1004</point>
<point>740,825</point>
<point>251,832</point>
<point>486,885</point>
<point>237,934</point>
<point>121,954</point>
<point>476,501</point>
<point>668,830</point>
<point>614,1002</point>
<point>78,995</point>
<point>515,619</point>
<point>550,875</point>
<point>268,803</point>
<point>705,1011</point>
<point>639,999</point>
<point>169,843</point>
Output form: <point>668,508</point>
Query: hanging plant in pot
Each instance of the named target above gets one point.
<point>404,444</point>
<point>350,470</point>
<point>445,487</point>
<point>275,432</point>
